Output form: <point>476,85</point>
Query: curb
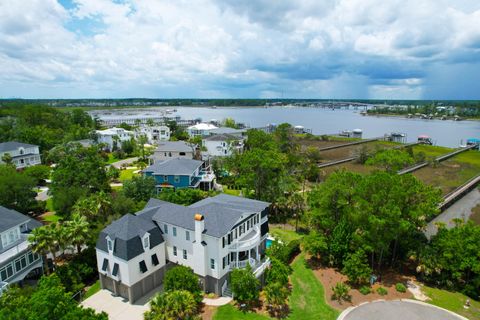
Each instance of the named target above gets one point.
<point>347,311</point>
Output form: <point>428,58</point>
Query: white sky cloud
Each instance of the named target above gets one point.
<point>307,48</point>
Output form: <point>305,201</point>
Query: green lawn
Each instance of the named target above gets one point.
<point>284,235</point>
<point>51,218</point>
<point>127,174</point>
<point>453,301</point>
<point>307,301</point>
<point>49,205</point>
<point>112,158</point>
<point>232,192</point>
<point>92,290</point>
<point>431,151</point>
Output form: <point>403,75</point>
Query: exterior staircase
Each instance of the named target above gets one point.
<point>227,292</point>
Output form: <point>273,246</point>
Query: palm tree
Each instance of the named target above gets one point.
<point>78,231</point>
<point>173,305</point>
<point>43,241</point>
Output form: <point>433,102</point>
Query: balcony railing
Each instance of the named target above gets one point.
<point>258,266</point>
<point>251,241</point>
<point>12,251</point>
<point>243,264</point>
<point>3,287</point>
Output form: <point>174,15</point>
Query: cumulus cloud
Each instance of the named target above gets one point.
<point>213,48</point>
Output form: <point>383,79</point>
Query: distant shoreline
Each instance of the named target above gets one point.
<point>395,115</point>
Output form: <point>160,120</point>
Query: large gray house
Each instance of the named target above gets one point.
<point>16,258</point>
<point>212,236</point>
<point>23,154</point>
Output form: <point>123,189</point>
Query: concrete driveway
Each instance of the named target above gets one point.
<point>118,308</point>
<point>398,310</point>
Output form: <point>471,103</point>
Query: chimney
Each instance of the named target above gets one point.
<point>199,227</point>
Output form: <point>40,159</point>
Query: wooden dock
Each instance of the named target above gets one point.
<point>459,192</point>
<point>438,159</point>
<point>350,144</point>
<point>340,161</point>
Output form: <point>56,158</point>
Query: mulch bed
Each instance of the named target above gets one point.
<point>329,277</point>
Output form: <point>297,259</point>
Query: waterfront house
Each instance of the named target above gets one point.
<point>17,261</point>
<point>23,154</point>
<point>154,134</point>
<point>200,129</point>
<point>212,236</point>
<point>222,145</point>
<point>181,173</point>
<point>173,149</point>
<point>113,137</point>
<point>231,131</point>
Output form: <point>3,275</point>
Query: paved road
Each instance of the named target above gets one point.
<point>119,164</point>
<point>43,195</point>
<point>398,310</point>
<point>461,209</point>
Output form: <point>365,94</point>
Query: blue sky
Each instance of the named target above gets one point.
<point>395,49</point>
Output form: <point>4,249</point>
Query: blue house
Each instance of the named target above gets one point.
<point>181,173</point>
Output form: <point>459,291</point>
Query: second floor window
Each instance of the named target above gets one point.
<point>165,228</point>
<point>175,251</point>
<point>212,264</point>
<point>174,231</point>
<point>110,245</point>
<point>10,237</point>
<point>146,242</point>
<point>187,235</point>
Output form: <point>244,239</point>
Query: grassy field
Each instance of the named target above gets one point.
<point>307,301</point>
<point>453,301</point>
<point>112,158</point>
<point>127,174</point>
<point>92,290</point>
<point>451,173</point>
<point>284,235</point>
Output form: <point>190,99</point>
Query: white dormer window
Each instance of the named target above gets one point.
<point>146,241</point>
<point>109,244</point>
<point>21,151</point>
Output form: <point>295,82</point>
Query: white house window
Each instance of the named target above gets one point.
<point>175,251</point>
<point>109,244</point>
<point>187,235</point>
<point>212,264</point>
<point>165,228</point>
<point>146,241</point>
<point>184,254</point>
<point>176,179</point>
<point>174,231</point>
<point>21,151</point>
<point>10,237</point>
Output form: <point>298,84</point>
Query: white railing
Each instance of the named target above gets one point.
<point>224,286</point>
<point>264,219</point>
<point>3,287</point>
<point>261,267</point>
<point>239,244</point>
<point>243,263</point>
<point>13,251</point>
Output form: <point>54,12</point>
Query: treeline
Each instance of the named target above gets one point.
<point>462,109</point>
<point>42,125</point>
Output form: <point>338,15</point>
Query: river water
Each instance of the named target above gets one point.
<point>447,133</point>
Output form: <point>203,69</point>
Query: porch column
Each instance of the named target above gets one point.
<point>256,253</point>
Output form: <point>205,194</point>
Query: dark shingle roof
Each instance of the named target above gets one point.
<point>221,213</point>
<point>223,130</point>
<point>177,166</point>
<point>11,218</point>
<point>180,146</point>
<point>127,232</point>
<point>221,137</point>
<point>14,145</point>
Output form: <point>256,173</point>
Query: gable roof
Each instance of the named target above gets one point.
<point>11,218</point>
<point>177,146</point>
<point>221,213</point>
<point>202,126</point>
<point>14,145</point>
<point>176,166</point>
<point>222,137</point>
<point>127,232</point>
<point>226,130</point>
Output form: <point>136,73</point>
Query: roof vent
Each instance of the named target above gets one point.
<point>198,217</point>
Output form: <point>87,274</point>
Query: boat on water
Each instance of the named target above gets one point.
<point>425,139</point>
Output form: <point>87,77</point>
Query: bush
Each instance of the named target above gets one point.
<point>382,291</point>
<point>183,278</point>
<point>356,268</point>
<point>365,290</point>
<point>278,272</point>
<point>244,286</point>
<point>400,287</point>
<point>341,292</point>
<point>284,252</point>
